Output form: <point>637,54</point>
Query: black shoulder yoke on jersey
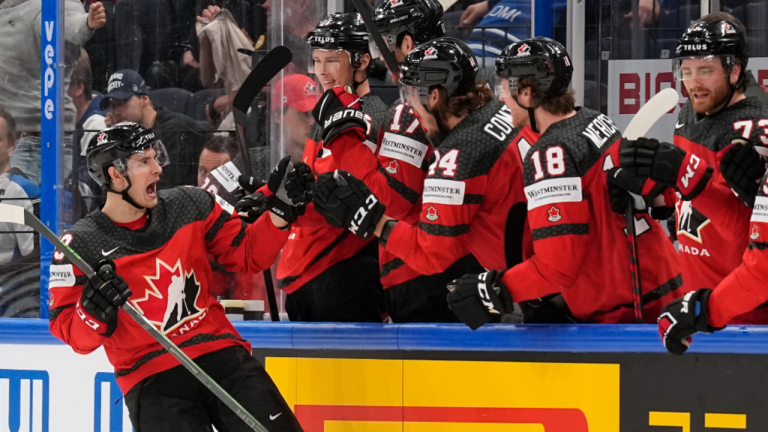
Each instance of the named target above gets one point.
<point>583,138</point>
<point>96,235</point>
<point>480,140</point>
<point>716,131</point>
<point>377,109</point>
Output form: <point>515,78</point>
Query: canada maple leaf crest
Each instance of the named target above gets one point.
<point>430,53</point>
<point>309,88</point>
<point>392,167</point>
<point>431,213</point>
<point>170,298</point>
<point>554,214</point>
<point>524,50</point>
<point>101,138</point>
<point>755,233</point>
<point>393,3</point>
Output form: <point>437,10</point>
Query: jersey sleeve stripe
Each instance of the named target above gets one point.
<point>284,282</point>
<point>757,245</point>
<point>391,266</point>
<point>240,235</point>
<point>409,194</point>
<point>55,312</point>
<point>473,199</point>
<point>560,230</point>
<point>220,221</point>
<point>663,289</point>
<point>331,246</point>
<point>444,230</point>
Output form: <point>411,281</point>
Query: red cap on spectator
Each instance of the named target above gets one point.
<point>297,91</point>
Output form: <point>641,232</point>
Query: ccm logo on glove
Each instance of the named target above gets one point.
<point>693,164</point>
<point>361,213</point>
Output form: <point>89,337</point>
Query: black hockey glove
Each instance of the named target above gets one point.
<point>665,163</point>
<point>346,202</point>
<point>251,207</point>
<point>299,184</point>
<point>742,167</point>
<point>338,112</point>
<point>683,318</point>
<point>279,203</point>
<point>102,297</point>
<point>643,191</point>
<point>479,298</point>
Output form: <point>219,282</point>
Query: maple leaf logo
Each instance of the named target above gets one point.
<point>554,214</point>
<point>170,297</point>
<point>431,213</point>
<point>392,167</point>
<point>755,233</point>
<point>690,221</point>
<point>309,88</point>
<point>430,53</point>
<point>524,50</point>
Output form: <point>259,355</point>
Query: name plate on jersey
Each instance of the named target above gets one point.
<point>442,191</point>
<point>553,191</point>
<point>403,148</point>
<point>61,275</point>
<point>760,211</point>
<point>227,175</point>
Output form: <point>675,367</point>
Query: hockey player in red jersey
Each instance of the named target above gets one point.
<point>712,223</point>
<point>159,243</point>
<point>473,200</point>
<point>744,289</point>
<point>396,171</point>
<point>580,248</point>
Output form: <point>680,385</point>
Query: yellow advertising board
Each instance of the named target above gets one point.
<point>372,395</point>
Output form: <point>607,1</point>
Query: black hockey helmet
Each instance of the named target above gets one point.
<point>544,60</point>
<point>341,31</point>
<point>720,38</point>
<point>421,19</point>
<point>445,62</point>
<point>114,146</point>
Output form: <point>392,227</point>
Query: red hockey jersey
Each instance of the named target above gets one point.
<point>713,228</point>
<point>473,200</point>
<point>580,246</point>
<point>745,288</point>
<point>166,266</point>
<point>395,174</point>
<point>313,245</point>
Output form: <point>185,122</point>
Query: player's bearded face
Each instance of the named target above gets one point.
<point>706,82</point>
<point>144,172</point>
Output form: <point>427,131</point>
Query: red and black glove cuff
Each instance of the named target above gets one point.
<point>693,176</point>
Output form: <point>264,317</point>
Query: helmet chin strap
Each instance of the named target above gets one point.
<point>531,116</point>
<point>125,195</point>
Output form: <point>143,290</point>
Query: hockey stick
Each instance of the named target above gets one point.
<point>14,214</point>
<point>641,123</point>
<point>364,9</point>
<point>260,76</point>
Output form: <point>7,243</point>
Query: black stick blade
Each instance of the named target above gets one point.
<point>265,70</point>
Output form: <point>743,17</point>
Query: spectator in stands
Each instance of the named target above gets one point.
<point>298,20</point>
<point>293,98</point>
<point>15,189</point>
<point>128,100</point>
<point>216,152</point>
<point>90,116</point>
<point>145,32</point>
<point>20,32</point>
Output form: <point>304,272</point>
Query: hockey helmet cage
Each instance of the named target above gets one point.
<point>115,145</point>
<point>445,62</point>
<point>422,19</point>
<point>721,38</point>
<point>341,31</point>
<point>542,59</point>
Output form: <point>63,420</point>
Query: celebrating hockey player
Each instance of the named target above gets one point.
<point>473,199</point>
<point>707,310</point>
<point>396,172</point>
<point>158,243</point>
<point>712,222</point>
<point>580,248</point>
<point>328,274</point>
